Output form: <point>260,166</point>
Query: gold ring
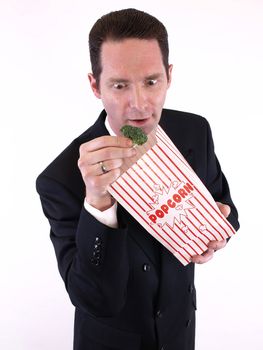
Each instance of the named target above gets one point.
<point>103,168</point>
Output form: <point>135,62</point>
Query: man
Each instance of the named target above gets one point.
<point>128,290</point>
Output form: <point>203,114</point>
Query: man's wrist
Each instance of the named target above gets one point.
<point>107,217</point>
<point>101,203</point>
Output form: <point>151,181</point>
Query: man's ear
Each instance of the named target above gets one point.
<point>170,68</point>
<point>94,86</point>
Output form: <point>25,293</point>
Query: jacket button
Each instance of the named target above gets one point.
<point>96,254</point>
<point>95,261</point>
<point>146,267</point>
<point>159,314</point>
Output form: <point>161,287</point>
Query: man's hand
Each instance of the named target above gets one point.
<point>213,246</point>
<point>99,163</point>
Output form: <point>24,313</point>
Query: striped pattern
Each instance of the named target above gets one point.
<point>162,192</point>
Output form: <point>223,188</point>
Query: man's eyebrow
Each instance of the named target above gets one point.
<point>154,76</point>
<point>119,80</point>
<point>122,80</point>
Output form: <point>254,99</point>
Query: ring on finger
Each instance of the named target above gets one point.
<point>103,168</point>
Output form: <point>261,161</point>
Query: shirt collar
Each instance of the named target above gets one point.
<point>107,125</point>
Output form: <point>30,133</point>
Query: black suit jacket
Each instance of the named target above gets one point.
<point>130,293</point>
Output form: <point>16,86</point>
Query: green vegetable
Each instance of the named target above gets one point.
<point>137,135</point>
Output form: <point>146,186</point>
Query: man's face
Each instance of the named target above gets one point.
<point>133,83</point>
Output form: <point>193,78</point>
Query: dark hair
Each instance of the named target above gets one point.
<point>123,24</point>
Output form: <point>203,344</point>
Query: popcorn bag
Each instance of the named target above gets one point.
<point>161,191</point>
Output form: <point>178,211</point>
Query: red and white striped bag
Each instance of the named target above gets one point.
<point>162,192</point>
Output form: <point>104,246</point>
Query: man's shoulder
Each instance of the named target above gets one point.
<point>181,119</point>
<point>184,128</point>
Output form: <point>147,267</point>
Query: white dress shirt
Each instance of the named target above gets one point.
<point>109,216</point>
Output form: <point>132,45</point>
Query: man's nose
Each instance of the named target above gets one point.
<point>138,98</point>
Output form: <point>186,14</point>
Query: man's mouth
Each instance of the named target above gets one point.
<point>138,122</point>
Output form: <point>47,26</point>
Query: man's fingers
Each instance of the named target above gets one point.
<point>100,161</point>
<point>96,169</point>
<point>100,183</point>
<point>216,245</point>
<point>106,141</point>
<point>224,208</point>
<point>209,253</point>
<point>105,154</point>
<point>205,257</point>
<point>109,165</point>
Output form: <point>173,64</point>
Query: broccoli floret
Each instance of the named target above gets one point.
<point>137,135</point>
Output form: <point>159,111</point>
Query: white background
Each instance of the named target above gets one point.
<point>216,48</point>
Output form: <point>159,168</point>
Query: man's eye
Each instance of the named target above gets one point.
<point>119,86</point>
<point>151,82</point>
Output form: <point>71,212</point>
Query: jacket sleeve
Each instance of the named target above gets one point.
<point>92,258</point>
<point>216,181</point>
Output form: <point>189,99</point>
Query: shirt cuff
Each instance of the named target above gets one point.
<point>107,217</point>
